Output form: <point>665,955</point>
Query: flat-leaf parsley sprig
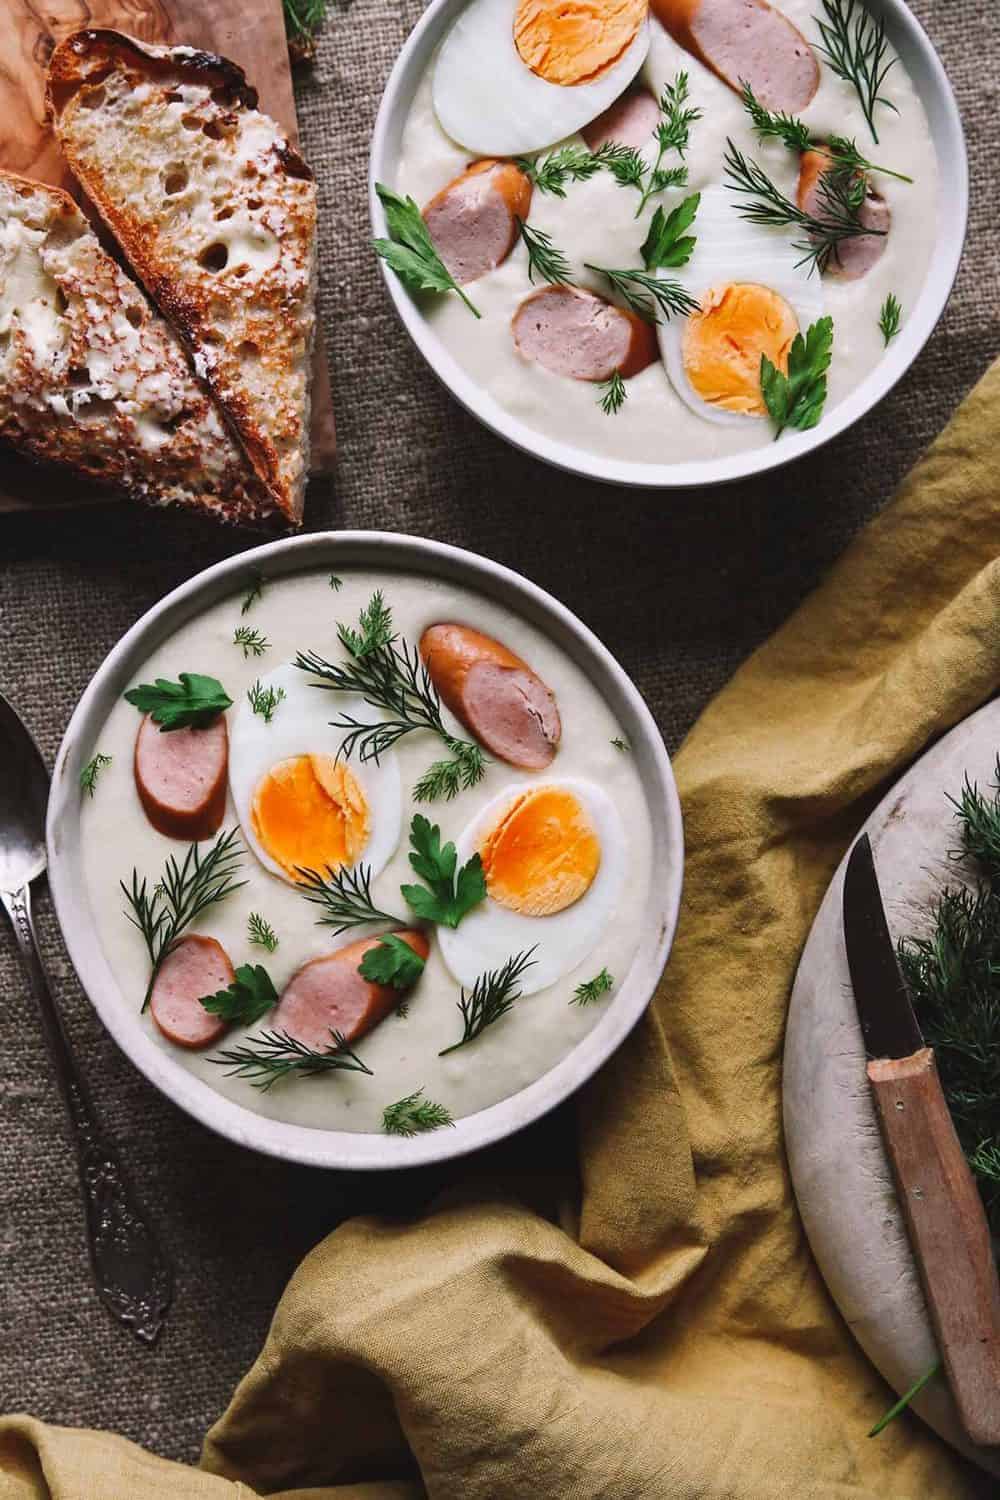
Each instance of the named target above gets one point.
<point>193,702</point>
<point>344,896</point>
<point>796,399</point>
<point>389,675</point>
<point>182,893</point>
<point>667,246</point>
<point>266,1059</point>
<point>414,1114</point>
<point>544,259</point>
<point>410,250</point>
<point>249,997</point>
<point>392,962</point>
<point>447,893</point>
<point>491,997</point>
<point>855,48</point>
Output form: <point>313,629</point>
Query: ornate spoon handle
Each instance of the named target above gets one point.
<point>130,1272</point>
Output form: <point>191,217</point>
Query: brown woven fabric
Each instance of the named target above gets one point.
<point>680,586</point>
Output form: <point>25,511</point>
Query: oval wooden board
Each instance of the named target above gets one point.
<point>842,1179</point>
<point>251,32</point>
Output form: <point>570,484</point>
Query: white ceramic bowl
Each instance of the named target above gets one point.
<point>929,78</point>
<point>330,1148</point>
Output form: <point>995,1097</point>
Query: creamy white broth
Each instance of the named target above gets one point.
<point>299,613</point>
<point>595,223</point>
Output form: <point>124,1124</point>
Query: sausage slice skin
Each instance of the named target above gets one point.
<point>630,121</point>
<point>473,220</point>
<point>494,693</point>
<point>852,258</point>
<point>571,332</point>
<point>194,967</point>
<point>745,40</point>
<point>181,778</point>
<point>328,994</point>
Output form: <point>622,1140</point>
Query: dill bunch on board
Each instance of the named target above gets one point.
<point>953,975</point>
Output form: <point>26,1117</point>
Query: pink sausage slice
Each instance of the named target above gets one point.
<point>181,778</point>
<point>852,258</point>
<point>575,333</point>
<point>328,994</point>
<point>473,221</point>
<point>194,967</point>
<point>745,40</point>
<point>494,693</point>
<point>630,121</point>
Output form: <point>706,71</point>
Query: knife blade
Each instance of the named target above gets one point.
<point>944,1213</point>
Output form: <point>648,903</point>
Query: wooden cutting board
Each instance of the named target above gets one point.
<point>251,32</point>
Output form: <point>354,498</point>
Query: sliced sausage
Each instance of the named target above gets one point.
<point>328,994</point>
<point>473,221</point>
<point>630,121</point>
<point>181,778</point>
<point>854,257</point>
<point>576,333</point>
<point>194,967</point>
<point>745,41</point>
<point>496,695</point>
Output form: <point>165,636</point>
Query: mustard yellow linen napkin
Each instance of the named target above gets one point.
<point>659,1332</point>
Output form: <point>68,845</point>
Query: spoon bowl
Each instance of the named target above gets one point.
<point>24,795</point>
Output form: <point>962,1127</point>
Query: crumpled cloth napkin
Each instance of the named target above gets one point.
<point>653,1324</point>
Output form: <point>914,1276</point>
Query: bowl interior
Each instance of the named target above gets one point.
<point>931,83</point>
<point>340,1148</point>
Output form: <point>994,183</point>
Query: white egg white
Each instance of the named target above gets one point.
<point>491,933</point>
<point>488,99</point>
<point>301,726</point>
<point>729,249</point>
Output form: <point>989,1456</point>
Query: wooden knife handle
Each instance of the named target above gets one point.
<point>948,1232</point>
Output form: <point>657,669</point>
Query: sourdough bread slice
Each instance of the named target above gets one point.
<point>216,212</point>
<point>93,379</point>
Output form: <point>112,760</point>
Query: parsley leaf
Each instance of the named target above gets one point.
<point>192,702</point>
<point>393,962</point>
<point>250,996</point>
<point>796,399</point>
<point>666,244</point>
<point>410,250</point>
<point>444,897</point>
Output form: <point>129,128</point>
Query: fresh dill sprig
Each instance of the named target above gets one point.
<point>622,745</point>
<point>303,19</point>
<point>273,1055</point>
<point>646,294</point>
<point>345,896</point>
<point>414,1114</point>
<point>551,173</point>
<point>264,700</point>
<point>254,642</point>
<point>255,588</point>
<point>91,771</point>
<point>593,989</point>
<point>796,135</point>
<point>492,996</point>
<point>260,932</point>
<point>182,893</point>
<point>336,583</point>
<point>625,164</point>
<point>614,393</point>
<point>544,257</point>
<point>845,153</point>
<point>978,818</point>
<point>855,47</point>
<point>389,675</point>
<point>889,319</point>
<point>672,134</point>
<point>840,191</point>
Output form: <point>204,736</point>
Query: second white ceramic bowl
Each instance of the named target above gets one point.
<point>910,40</point>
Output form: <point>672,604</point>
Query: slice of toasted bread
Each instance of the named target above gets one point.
<point>216,212</point>
<point>93,379</point>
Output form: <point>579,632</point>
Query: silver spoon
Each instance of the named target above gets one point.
<point>130,1272</point>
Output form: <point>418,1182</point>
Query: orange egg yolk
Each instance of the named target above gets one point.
<point>723,343</point>
<point>542,855</point>
<point>309,812</point>
<point>574,41</point>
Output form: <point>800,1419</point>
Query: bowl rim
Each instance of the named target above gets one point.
<point>305,1144</point>
<point>906,35</point>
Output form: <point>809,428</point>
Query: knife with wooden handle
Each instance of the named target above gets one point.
<point>944,1213</point>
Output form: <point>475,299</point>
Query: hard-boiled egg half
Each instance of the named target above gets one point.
<point>518,75</point>
<point>754,297</point>
<point>554,859</point>
<point>299,806</point>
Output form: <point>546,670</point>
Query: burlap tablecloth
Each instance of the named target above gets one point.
<point>680,586</point>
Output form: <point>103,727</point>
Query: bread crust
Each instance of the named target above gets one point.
<point>216,212</point>
<point>93,380</point>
